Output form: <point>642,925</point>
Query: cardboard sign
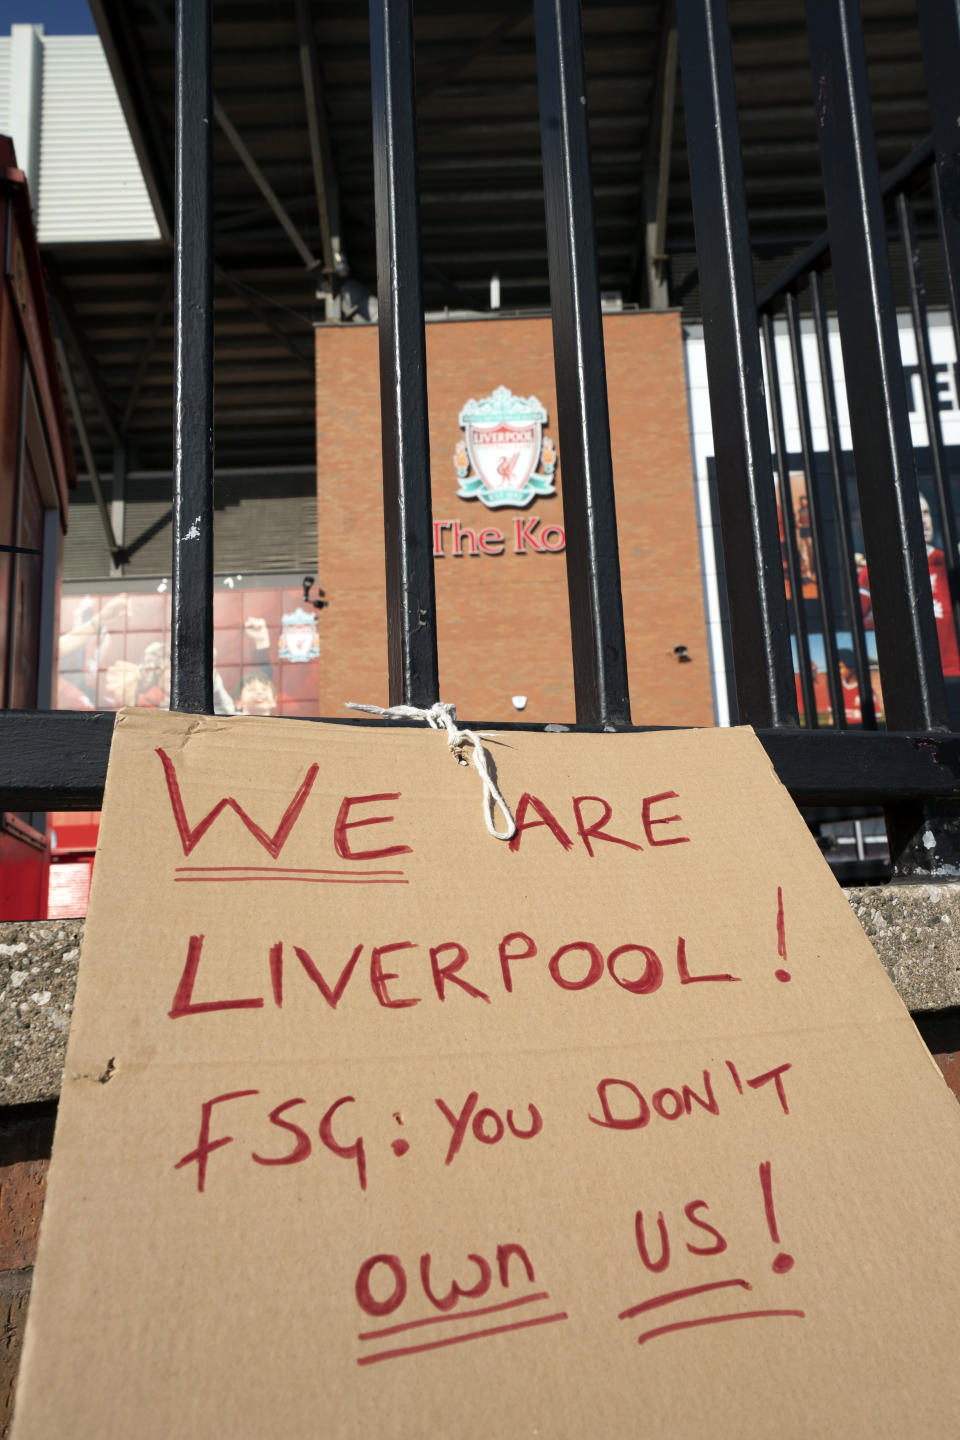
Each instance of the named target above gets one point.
<point>374,1125</point>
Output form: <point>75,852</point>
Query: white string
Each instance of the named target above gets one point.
<point>444,717</point>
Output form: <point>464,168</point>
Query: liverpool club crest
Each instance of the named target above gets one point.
<point>299,637</point>
<point>504,458</point>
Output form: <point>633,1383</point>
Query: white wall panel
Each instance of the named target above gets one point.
<point>4,84</point>
<point>90,184</point>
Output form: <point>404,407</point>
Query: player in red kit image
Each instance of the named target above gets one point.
<point>849,689</point>
<point>940,591</point>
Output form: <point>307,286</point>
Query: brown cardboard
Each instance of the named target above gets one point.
<point>788,1138</point>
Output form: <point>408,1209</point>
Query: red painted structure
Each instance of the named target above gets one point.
<point>36,471</point>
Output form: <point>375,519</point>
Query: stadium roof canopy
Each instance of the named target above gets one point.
<point>294,185</point>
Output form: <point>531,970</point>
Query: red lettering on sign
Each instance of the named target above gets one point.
<point>333,996</point>
<point>557,542</point>
<point>683,970</point>
<point>611,1121</point>
<point>528,802</point>
<point>379,980</point>
<point>183,1003</point>
<point>206,1146</point>
<point>342,825</point>
<point>655,1265</point>
<point>189,836</point>
<point>652,977</point>
<point>715,1249</point>
<point>504,1253</point>
<point>491,541</point>
<point>458,534</point>
<point>355,1151</point>
<point>438,528</point>
<point>527,953</point>
<point>456,1292</point>
<point>649,821</point>
<point>443,973</point>
<point>774,1075</point>
<point>364,1294</point>
<point>593,973</point>
<point>523,528</point>
<point>709,1104</point>
<point>458,1122</point>
<point>302,1148</point>
<point>596,830</point>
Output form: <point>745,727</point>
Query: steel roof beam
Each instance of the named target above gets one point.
<point>264,186</point>
<point>441,78</point>
<point>244,293</point>
<point>116,553</point>
<point>71,333</point>
<point>324,174</point>
<point>148,349</point>
<point>127,70</point>
<point>656,165</point>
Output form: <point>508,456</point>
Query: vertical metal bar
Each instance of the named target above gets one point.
<point>76,411</point>
<point>886,477</point>
<point>751,543</point>
<point>813,505</point>
<point>841,504</point>
<point>49,610</point>
<point>940,39</point>
<point>407,517</point>
<point>191,651</point>
<point>16,559</point>
<point>941,474</point>
<point>118,505</point>
<point>593,557</point>
<point>951,273</point>
<point>787,523</point>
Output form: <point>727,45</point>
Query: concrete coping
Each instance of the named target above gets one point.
<point>915,930</point>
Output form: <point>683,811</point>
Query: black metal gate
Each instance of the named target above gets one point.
<point>58,759</point>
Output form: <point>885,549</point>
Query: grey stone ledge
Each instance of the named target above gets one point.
<point>915,929</point>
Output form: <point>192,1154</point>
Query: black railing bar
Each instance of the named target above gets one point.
<point>57,759</point>
<point>951,272</point>
<point>941,474</point>
<point>815,252</point>
<point>939,22</point>
<point>191,648</point>
<point>601,686</point>
<point>914,694</point>
<point>824,598</point>
<point>407,516</point>
<point>759,626</point>
<point>841,503</point>
<point>786,522</point>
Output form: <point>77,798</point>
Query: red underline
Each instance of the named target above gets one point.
<point>460,1339</point>
<point>281,870</point>
<point>679,1295</point>
<point>461,1315</point>
<point>294,879</point>
<point>715,1320</point>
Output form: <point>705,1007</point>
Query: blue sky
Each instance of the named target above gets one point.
<point>58,17</point>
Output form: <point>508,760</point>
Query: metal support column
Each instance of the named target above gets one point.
<point>886,475</point>
<point>593,557</point>
<point>191,659</point>
<point>760,632</point>
<point>407,513</point>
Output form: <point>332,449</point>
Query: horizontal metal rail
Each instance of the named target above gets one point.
<point>57,760</point>
<point>911,170</point>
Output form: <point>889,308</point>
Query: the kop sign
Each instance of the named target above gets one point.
<point>503,458</point>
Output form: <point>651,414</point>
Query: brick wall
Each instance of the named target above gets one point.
<point>26,1134</point>
<point>503,626</point>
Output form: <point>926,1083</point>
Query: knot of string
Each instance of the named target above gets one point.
<point>444,717</point>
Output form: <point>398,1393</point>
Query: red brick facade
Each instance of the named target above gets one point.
<point>503,618</point>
